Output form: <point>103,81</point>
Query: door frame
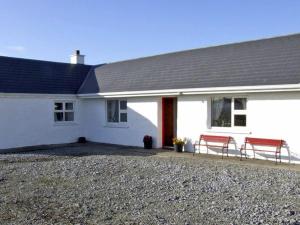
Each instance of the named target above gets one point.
<point>163,117</point>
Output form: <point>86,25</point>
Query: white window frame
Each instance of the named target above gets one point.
<point>233,113</point>
<point>238,112</point>
<point>64,110</point>
<point>119,123</point>
<point>123,111</point>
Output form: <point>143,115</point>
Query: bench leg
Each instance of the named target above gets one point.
<point>222,152</point>
<point>195,149</point>
<point>279,153</point>
<point>279,157</point>
<point>223,149</point>
<point>241,151</point>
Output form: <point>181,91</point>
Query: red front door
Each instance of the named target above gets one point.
<point>168,121</point>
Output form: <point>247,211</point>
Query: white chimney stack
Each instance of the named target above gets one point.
<point>76,58</point>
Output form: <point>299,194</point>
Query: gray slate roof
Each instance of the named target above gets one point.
<point>34,76</point>
<point>263,62</point>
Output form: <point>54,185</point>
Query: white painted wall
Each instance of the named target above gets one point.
<point>28,121</point>
<point>269,115</point>
<point>144,117</point>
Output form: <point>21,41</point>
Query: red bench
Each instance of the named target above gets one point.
<point>250,144</point>
<point>212,141</point>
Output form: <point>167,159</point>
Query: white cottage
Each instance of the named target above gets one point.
<point>248,89</point>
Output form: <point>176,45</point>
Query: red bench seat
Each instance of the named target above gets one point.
<point>213,141</point>
<point>251,142</point>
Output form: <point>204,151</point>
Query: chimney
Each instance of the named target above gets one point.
<point>76,58</point>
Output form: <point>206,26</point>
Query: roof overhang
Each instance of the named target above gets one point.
<point>197,91</point>
<point>35,95</point>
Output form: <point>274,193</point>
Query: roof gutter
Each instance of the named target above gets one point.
<point>197,91</point>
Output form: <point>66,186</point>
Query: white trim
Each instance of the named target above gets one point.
<point>168,92</point>
<point>198,91</point>
<point>65,123</point>
<point>100,95</point>
<point>116,125</point>
<point>228,130</point>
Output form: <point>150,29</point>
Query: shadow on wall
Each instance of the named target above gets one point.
<point>140,125</point>
<point>92,125</point>
<point>130,134</point>
<point>142,117</point>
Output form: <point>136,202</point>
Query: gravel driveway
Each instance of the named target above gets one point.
<point>103,184</point>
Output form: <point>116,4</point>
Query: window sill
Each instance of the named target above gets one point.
<point>229,130</point>
<point>65,124</point>
<point>117,125</point>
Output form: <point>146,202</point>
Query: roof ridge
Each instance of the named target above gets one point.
<point>89,73</point>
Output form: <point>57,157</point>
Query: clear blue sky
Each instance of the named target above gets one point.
<point>111,30</point>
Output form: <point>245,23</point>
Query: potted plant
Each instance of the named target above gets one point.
<point>147,142</point>
<point>178,144</point>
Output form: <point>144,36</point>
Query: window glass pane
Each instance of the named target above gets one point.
<point>58,116</point>
<point>69,116</point>
<point>113,111</point>
<point>69,106</point>
<point>58,106</point>
<point>123,105</point>
<point>240,103</point>
<point>240,120</point>
<point>123,117</point>
<point>221,112</point>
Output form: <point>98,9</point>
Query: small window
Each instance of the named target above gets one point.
<point>239,104</point>
<point>225,110</point>
<point>69,106</point>
<point>240,120</point>
<point>113,111</point>
<point>69,116</point>
<point>63,111</point>
<point>221,112</point>
<point>116,111</point>
<point>58,106</point>
<point>58,116</point>
<point>123,105</point>
<point>123,117</point>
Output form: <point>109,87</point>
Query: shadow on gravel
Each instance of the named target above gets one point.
<point>87,149</point>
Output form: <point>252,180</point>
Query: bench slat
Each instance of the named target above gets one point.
<point>209,145</point>
<point>264,142</point>
<point>212,138</point>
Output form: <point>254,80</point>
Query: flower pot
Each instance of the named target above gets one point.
<point>147,145</point>
<point>147,142</point>
<point>178,148</point>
